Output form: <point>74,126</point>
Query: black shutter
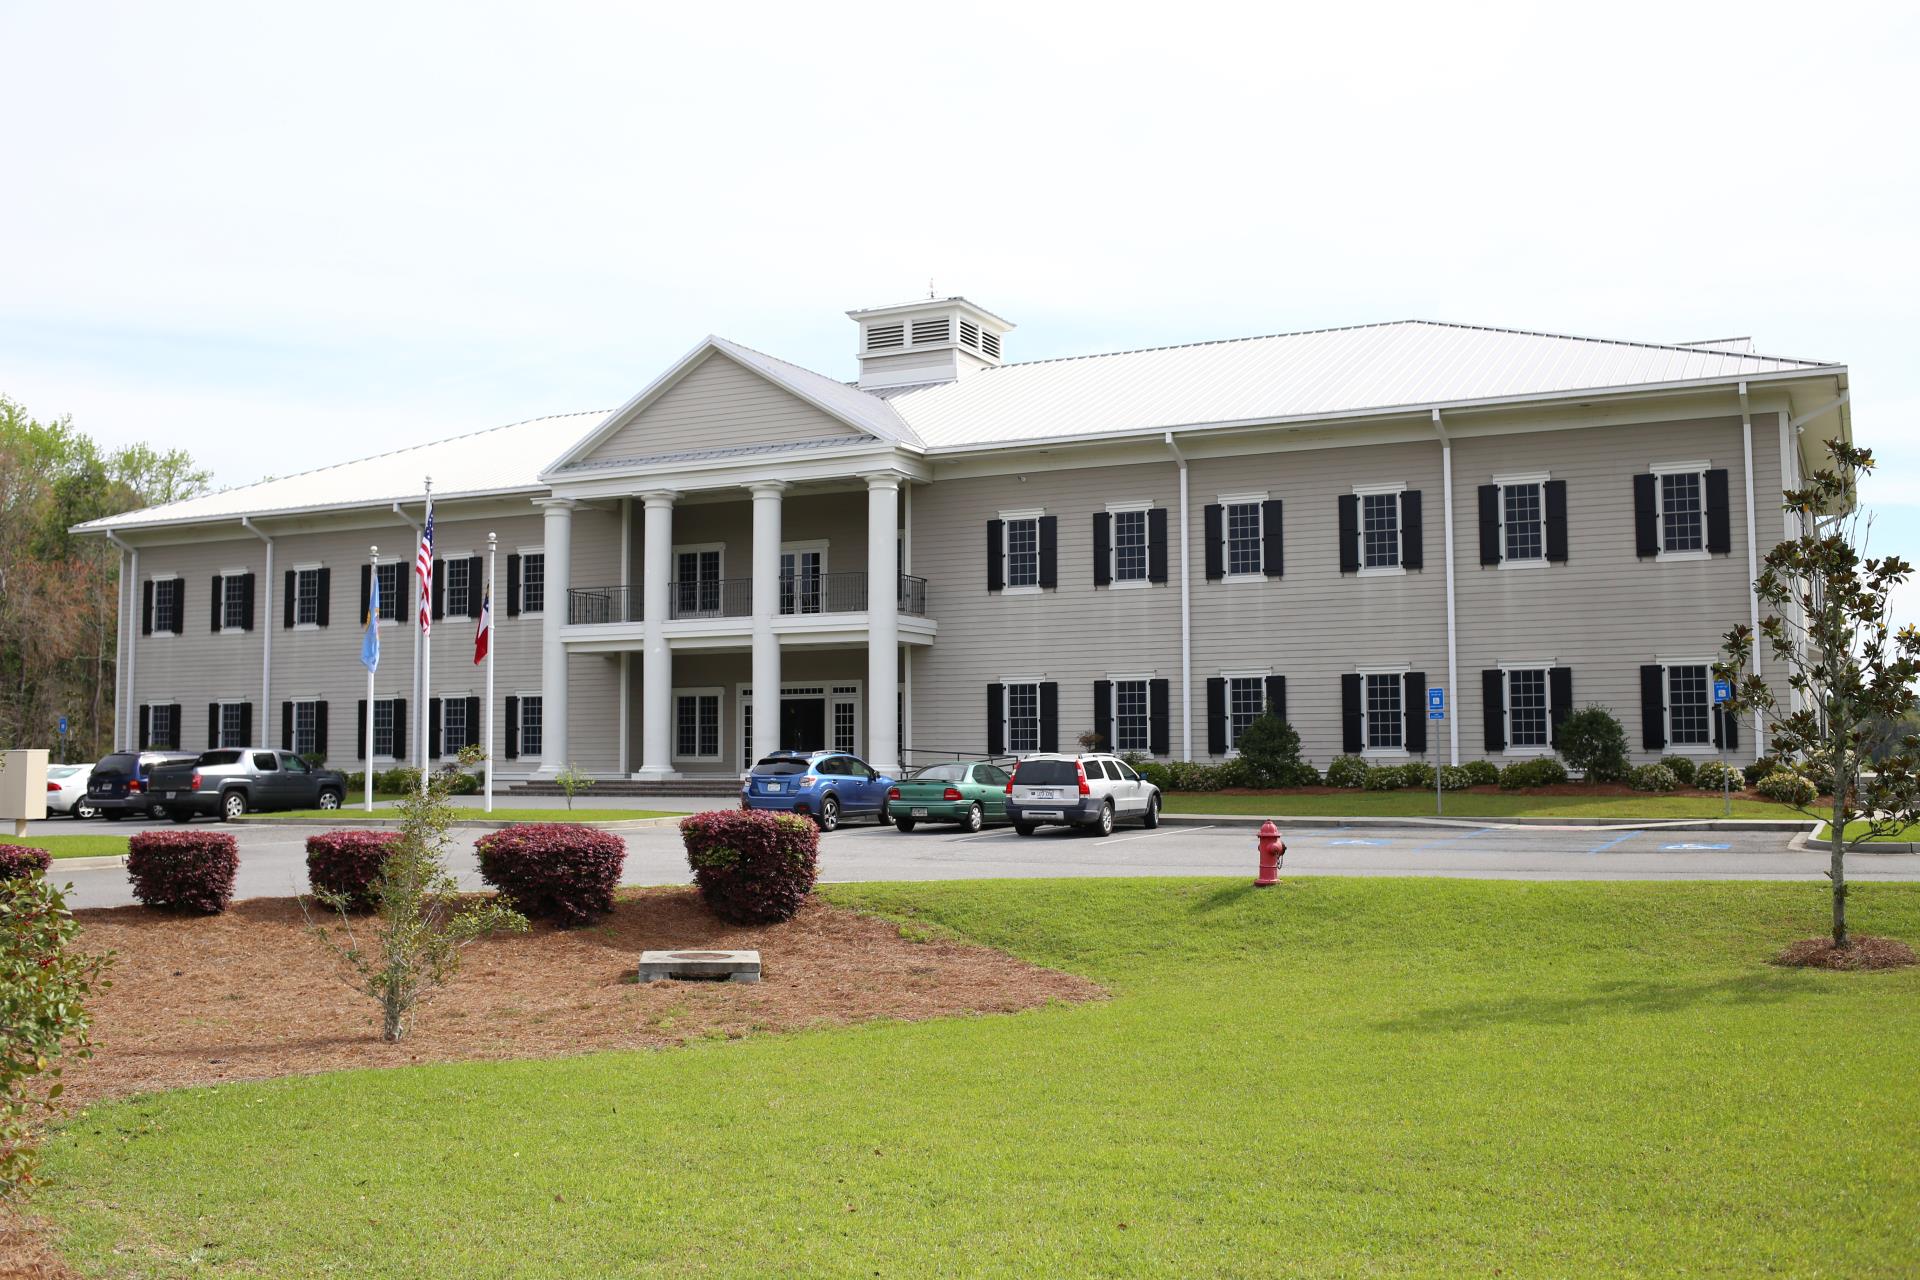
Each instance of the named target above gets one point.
<point>286,604</point>
<point>400,729</point>
<point>476,589</point>
<point>1049,556</point>
<point>286,726</point>
<point>996,557</point>
<point>215,593</point>
<point>1413,709</point>
<point>433,729</point>
<point>513,586</point>
<point>1646,524</point>
<point>1214,521</point>
<point>1412,544</point>
<point>473,724</point>
<point>1559,699</point>
<point>1719,518</point>
<point>1493,702</point>
<point>146,725</point>
<point>360,739</point>
<point>1349,533</point>
<point>366,592</point>
<point>1157,544</point>
<point>1216,716</point>
<point>439,590</point>
<point>213,725</point>
<point>1159,739</point>
<point>1726,729</point>
<point>1489,524</point>
<point>173,731</point>
<point>246,602</point>
<point>1556,500</point>
<point>1277,696</point>
<point>146,607</point>
<point>179,605</point>
<point>320,730</point>
<point>1272,539</point>
<point>1102,548</point>
<point>996,720</point>
<point>246,724</point>
<point>1653,708</point>
<point>325,605</point>
<point>512,747</point>
<point>1103,713</point>
<point>1353,738</point>
<point>1049,716</point>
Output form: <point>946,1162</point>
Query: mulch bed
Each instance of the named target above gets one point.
<point>1866,952</point>
<point>252,994</point>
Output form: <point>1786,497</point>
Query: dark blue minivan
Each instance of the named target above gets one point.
<point>118,785</point>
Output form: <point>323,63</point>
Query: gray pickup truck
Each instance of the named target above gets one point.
<point>234,781</point>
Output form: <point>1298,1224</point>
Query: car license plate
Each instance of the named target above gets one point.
<point>173,795</point>
<point>919,813</point>
<point>1042,813</point>
<point>773,786</point>
<point>1043,795</point>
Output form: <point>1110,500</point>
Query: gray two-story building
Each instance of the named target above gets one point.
<point>954,554</point>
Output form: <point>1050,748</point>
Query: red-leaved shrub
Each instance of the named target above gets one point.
<point>17,860</point>
<point>752,867</point>
<point>346,863</point>
<point>559,871</point>
<point>187,871</point>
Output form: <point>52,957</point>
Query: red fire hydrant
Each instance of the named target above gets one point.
<point>1272,849</point>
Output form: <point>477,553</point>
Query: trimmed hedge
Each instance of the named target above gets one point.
<point>1653,777</point>
<point>1784,786</point>
<point>752,867</point>
<point>1714,776</point>
<point>1348,772</point>
<point>1382,778</point>
<point>1542,771</point>
<point>1482,773</point>
<point>559,871</point>
<point>186,871</point>
<point>17,861</point>
<point>1682,767</point>
<point>1759,769</point>
<point>345,864</point>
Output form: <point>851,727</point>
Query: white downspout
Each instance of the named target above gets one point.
<point>264,618</point>
<point>1453,646</point>
<point>130,617</point>
<point>1186,613</point>
<point>1753,560</point>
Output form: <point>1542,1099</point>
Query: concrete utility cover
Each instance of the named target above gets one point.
<point>709,966</point>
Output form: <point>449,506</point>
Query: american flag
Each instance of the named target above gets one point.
<point>423,567</point>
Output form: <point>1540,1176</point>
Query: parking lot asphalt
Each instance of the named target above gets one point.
<point>273,859</point>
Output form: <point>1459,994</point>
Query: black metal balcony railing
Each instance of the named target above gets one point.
<point>844,592</point>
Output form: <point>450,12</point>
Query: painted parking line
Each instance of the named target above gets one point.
<point>1671,848</point>
<point>1622,839</point>
<point>1145,834</point>
<point>1370,844</point>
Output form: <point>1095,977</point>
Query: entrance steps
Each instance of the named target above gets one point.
<point>631,787</point>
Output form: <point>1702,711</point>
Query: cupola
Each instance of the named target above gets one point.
<point>934,340</point>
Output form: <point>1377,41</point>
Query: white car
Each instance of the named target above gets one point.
<point>67,790</point>
<point>1091,792</point>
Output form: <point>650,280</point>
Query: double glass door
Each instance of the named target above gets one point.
<point>801,579</point>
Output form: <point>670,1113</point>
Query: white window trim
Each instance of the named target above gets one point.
<point>297,570</point>
<point>1006,719</point>
<point>446,562</point>
<point>1399,568</point>
<point>313,702</point>
<point>406,574</point>
<point>1233,750</point>
<point>1113,547</point>
<point>1385,753</point>
<point>157,633</point>
<point>1006,557</point>
<point>1501,483</point>
<point>224,629</point>
<point>168,708</point>
<point>1506,708</point>
<point>1257,501</point>
<point>1660,514</point>
<point>719,694</point>
<point>695,548</point>
<point>223,704</point>
<point>524,698</point>
<point>523,552</point>
<point>1706,748</point>
<point>1147,679</point>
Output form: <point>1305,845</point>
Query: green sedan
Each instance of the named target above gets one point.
<point>970,793</point>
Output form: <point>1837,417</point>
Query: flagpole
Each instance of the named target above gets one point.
<point>422,720</point>
<point>371,621</point>
<point>493,552</point>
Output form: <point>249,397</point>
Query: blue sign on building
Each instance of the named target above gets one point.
<point>1436,699</point>
<point>1723,691</point>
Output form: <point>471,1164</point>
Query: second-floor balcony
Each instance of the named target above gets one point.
<point>800,595</point>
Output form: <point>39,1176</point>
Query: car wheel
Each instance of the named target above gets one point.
<point>904,824</point>
<point>1103,825</point>
<point>976,817</point>
<point>828,819</point>
<point>1025,828</point>
<point>155,812</point>
<point>182,818</point>
<point>233,805</point>
<point>82,812</point>
<point>329,800</point>
<point>1152,818</point>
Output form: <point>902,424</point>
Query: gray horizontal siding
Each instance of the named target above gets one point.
<point>718,404</point>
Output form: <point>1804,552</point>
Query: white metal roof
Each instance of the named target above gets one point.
<point>1325,372</point>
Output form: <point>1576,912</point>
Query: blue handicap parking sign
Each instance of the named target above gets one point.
<point>63,726</point>
<point>1436,715</point>
<point>1723,691</point>
<point>1436,699</point>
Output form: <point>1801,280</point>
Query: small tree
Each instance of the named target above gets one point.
<point>572,781</point>
<point>1592,741</point>
<point>420,925</point>
<point>1272,747</point>
<point>1849,672</point>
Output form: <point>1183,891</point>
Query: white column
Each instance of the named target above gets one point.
<point>883,621</point>
<point>656,660</point>
<point>557,545</point>
<point>766,607</point>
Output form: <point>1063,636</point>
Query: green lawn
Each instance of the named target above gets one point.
<point>1854,829</point>
<point>74,846</point>
<point>501,813</point>
<point>1336,1077</point>
<point>1473,804</point>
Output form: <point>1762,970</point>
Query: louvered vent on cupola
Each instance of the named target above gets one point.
<point>937,340</point>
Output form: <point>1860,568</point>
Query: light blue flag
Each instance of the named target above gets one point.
<point>370,647</point>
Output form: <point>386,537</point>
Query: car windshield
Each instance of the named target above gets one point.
<point>218,757</point>
<point>1046,773</point>
<point>941,773</point>
<point>779,767</point>
<point>118,765</point>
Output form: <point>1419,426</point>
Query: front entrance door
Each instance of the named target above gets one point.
<point>803,724</point>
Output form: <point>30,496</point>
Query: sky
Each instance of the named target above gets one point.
<point>283,236</point>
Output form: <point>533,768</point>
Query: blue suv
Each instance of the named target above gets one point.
<point>827,786</point>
